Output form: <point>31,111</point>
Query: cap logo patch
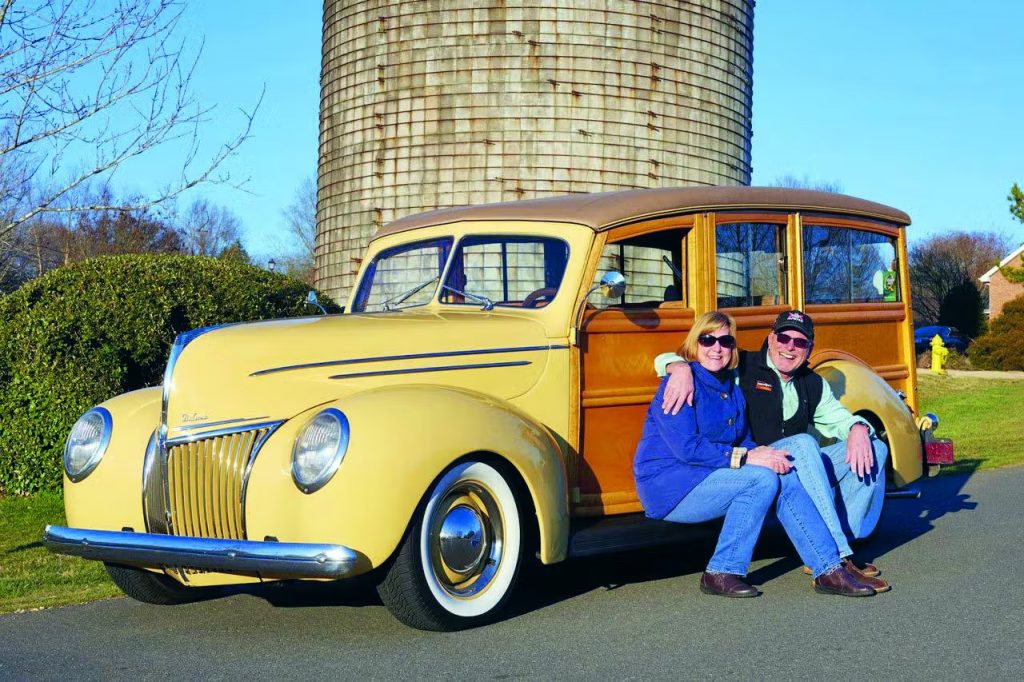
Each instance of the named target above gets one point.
<point>763,386</point>
<point>795,316</point>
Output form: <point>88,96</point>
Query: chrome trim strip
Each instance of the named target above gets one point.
<point>193,437</point>
<point>414,356</point>
<point>191,427</point>
<point>268,559</point>
<point>443,368</point>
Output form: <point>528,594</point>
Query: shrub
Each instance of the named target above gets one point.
<point>963,308</point>
<point>953,361</point>
<point>1002,348</point>
<point>81,334</point>
<point>957,361</point>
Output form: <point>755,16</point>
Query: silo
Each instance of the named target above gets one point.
<point>440,103</point>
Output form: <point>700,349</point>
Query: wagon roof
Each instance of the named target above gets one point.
<point>606,210</point>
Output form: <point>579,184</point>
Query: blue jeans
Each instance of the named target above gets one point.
<point>821,470</point>
<point>744,496</point>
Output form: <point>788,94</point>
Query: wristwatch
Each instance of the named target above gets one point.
<point>739,457</point>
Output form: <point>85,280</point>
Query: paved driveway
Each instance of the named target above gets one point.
<point>957,610</point>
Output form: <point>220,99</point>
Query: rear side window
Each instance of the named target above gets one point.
<point>844,265</point>
<point>750,264</point>
<point>514,271</point>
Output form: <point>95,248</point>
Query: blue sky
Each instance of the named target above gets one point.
<point>917,104</point>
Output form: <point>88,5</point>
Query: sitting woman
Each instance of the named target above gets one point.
<point>701,464</point>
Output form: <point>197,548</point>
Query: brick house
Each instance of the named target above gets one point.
<point>1001,291</point>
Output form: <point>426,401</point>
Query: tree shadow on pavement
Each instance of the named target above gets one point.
<point>903,519</point>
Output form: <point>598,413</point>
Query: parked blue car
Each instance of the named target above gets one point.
<point>950,336</point>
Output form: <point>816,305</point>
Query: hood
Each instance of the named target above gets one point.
<point>273,370</point>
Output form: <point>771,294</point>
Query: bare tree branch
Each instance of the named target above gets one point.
<point>86,86</point>
<point>208,230</point>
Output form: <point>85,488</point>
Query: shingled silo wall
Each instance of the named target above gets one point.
<point>442,103</point>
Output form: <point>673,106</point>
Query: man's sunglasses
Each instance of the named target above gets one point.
<point>785,339</point>
<point>725,341</point>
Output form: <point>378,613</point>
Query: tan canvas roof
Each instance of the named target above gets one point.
<point>610,209</point>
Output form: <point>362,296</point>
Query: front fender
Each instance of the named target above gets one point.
<point>861,390</point>
<point>401,439</point>
<point>110,498</point>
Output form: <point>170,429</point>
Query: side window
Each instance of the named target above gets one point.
<point>652,265</point>
<point>843,265</point>
<point>750,264</point>
<point>402,276</point>
<point>506,270</point>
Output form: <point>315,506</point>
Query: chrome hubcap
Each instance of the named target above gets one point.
<point>462,539</point>
<point>466,539</point>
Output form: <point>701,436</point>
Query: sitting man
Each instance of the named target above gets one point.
<point>784,398</point>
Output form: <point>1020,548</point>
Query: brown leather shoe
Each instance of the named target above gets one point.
<point>726,585</point>
<point>840,581</point>
<point>872,581</point>
<point>867,570</point>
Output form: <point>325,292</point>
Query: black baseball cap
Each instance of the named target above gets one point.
<point>795,319</point>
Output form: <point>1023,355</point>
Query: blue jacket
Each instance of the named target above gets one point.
<point>676,452</point>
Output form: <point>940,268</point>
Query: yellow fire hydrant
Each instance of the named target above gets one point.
<point>939,354</point>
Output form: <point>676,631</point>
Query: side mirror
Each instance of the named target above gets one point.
<point>613,284</point>
<point>311,300</point>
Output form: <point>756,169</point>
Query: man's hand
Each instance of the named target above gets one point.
<point>776,460</point>
<point>858,451</point>
<point>679,388</point>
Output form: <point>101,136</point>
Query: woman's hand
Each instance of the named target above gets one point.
<point>776,460</point>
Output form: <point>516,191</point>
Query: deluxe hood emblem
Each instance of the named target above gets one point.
<point>187,418</point>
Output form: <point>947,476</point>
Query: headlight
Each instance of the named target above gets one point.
<point>87,442</point>
<point>319,449</point>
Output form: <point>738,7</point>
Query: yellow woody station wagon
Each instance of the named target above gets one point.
<point>480,400</point>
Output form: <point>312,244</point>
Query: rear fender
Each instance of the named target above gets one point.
<point>861,390</point>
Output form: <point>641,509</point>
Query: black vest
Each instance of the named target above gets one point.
<point>763,392</point>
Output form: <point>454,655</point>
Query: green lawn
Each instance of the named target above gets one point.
<point>30,576</point>
<point>984,417</point>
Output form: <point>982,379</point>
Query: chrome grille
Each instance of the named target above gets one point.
<point>205,483</point>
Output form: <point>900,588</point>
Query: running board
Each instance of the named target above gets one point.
<point>620,533</point>
<point>909,492</point>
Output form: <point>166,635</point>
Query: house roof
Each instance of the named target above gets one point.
<point>987,277</point>
<point>606,210</point>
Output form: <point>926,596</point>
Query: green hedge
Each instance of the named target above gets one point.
<point>81,334</point>
<point>1002,348</point>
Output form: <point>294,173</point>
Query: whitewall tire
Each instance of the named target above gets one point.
<point>459,561</point>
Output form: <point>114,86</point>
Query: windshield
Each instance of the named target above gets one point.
<point>402,276</point>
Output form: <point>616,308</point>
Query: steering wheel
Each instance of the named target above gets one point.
<point>534,297</point>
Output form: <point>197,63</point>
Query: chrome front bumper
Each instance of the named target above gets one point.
<point>267,559</point>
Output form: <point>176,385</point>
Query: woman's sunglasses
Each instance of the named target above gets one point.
<point>725,341</point>
<point>784,339</point>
